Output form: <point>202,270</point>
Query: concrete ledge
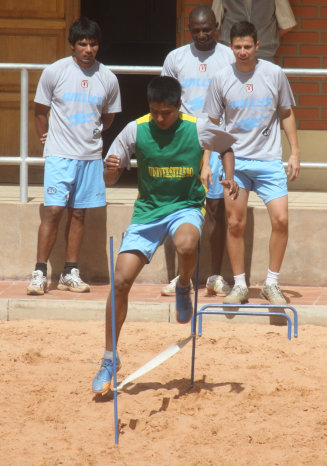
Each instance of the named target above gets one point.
<point>312,315</point>
<point>4,309</point>
<point>19,309</point>
<point>143,312</point>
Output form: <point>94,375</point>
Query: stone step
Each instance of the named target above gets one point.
<point>305,261</point>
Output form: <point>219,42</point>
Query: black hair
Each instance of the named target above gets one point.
<point>164,89</point>
<point>202,10</point>
<point>84,28</point>
<point>243,29</point>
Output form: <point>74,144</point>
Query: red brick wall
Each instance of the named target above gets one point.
<point>303,47</point>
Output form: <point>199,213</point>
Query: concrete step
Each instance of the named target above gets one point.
<point>305,261</point>
<point>145,304</point>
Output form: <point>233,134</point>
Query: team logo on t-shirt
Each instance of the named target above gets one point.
<point>249,87</point>
<point>203,67</point>
<point>84,83</point>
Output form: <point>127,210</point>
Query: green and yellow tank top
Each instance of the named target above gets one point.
<point>169,163</point>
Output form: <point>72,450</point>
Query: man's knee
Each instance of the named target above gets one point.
<point>186,244</point>
<point>236,226</point>
<point>280,223</point>
<point>78,215</point>
<point>52,214</point>
<point>188,248</point>
<point>122,284</point>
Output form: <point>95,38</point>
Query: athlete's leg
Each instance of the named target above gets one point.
<point>128,266</point>
<point>236,211</point>
<point>278,212</point>
<point>186,239</point>
<point>48,231</point>
<point>215,211</point>
<point>74,233</point>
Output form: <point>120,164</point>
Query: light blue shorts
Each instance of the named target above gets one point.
<point>216,190</point>
<point>147,237</point>
<point>74,183</point>
<point>266,178</point>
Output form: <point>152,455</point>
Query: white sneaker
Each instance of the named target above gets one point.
<point>273,294</point>
<point>72,282</point>
<point>216,285</point>
<point>238,295</point>
<point>170,289</point>
<point>38,284</point>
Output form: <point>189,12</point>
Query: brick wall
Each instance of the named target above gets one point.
<point>303,47</point>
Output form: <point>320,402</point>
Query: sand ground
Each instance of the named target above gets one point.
<point>258,398</point>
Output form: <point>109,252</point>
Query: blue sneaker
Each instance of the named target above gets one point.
<point>184,307</point>
<point>101,382</point>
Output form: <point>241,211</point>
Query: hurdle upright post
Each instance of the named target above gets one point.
<point>113,325</point>
<point>194,319</point>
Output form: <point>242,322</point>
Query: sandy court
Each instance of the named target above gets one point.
<point>258,399</point>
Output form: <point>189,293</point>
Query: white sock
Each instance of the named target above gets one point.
<point>108,355</point>
<point>272,278</point>
<point>239,280</point>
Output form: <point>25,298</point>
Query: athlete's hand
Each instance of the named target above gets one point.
<point>232,186</point>
<point>293,167</point>
<point>112,163</point>
<point>43,138</point>
<point>206,176</point>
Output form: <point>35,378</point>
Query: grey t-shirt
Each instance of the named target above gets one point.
<point>194,69</point>
<point>250,103</point>
<point>77,98</point>
<point>210,137</point>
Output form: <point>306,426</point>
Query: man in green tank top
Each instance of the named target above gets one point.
<point>168,146</point>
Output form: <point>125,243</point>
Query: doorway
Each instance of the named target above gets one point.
<point>136,33</point>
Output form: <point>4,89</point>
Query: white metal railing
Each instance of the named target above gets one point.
<point>23,160</point>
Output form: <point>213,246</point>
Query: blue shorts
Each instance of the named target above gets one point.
<point>216,190</point>
<point>74,183</point>
<point>266,178</point>
<point>147,237</point>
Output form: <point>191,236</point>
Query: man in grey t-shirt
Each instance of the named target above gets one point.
<point>253,94</point>
<point>82,96</point>
<point>193,65</point>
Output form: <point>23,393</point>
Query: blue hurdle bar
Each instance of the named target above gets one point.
<point>227,309</point>
<point>113,324</point>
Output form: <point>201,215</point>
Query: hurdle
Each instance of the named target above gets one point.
<point>227,309</point>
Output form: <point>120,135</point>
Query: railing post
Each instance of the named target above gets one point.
<point>23,134</point>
